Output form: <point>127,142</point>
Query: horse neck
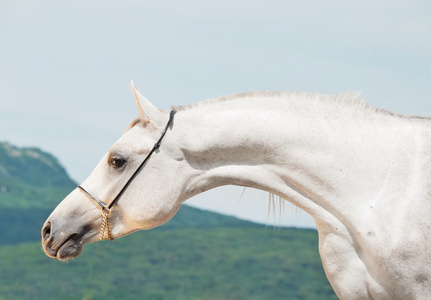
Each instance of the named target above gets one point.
<point>332,160</point>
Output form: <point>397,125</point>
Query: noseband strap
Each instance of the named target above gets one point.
<point>106,208</point>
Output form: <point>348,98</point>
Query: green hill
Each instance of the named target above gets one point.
<point>196,255</point>
<point>190,263</point>
<point>31,178</point>
<point>32,183</point>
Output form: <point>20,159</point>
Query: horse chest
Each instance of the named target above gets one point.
<point>370,266</point>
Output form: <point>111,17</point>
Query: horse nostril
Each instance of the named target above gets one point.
<point>46,231</point>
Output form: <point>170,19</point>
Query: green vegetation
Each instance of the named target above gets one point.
<point>189,263</point>
<point>31,178</point>
<point>196,255</point>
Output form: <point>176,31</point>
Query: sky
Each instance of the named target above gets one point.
<point>66,66</point>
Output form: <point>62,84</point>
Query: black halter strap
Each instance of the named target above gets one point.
<point>155,147</point>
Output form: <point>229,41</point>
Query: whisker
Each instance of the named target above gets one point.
<point>240,197</point>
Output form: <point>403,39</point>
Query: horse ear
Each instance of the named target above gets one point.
<point>146,109</point>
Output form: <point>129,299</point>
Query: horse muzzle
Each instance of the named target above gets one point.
<point>60,244</point>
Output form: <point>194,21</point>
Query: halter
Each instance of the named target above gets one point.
<point>105,209</point>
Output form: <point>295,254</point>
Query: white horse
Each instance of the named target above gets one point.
<point>362,173</point>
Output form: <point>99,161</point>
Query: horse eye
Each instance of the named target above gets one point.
<point>116,162</point>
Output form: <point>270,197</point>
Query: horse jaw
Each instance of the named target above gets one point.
<point>76,221</point>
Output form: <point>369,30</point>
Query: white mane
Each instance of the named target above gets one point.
<point>345,102</point>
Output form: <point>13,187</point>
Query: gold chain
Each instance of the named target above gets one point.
<point>105,225</point>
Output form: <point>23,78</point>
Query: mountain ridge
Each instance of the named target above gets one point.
<point>32,166</point>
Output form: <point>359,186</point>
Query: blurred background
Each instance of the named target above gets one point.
<point>65,69</point>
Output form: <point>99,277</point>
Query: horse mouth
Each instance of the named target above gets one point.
<point>69,248</point>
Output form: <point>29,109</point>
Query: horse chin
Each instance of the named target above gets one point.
<point>69,249</point>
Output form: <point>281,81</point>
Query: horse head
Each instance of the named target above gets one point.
<point>126,192</point>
